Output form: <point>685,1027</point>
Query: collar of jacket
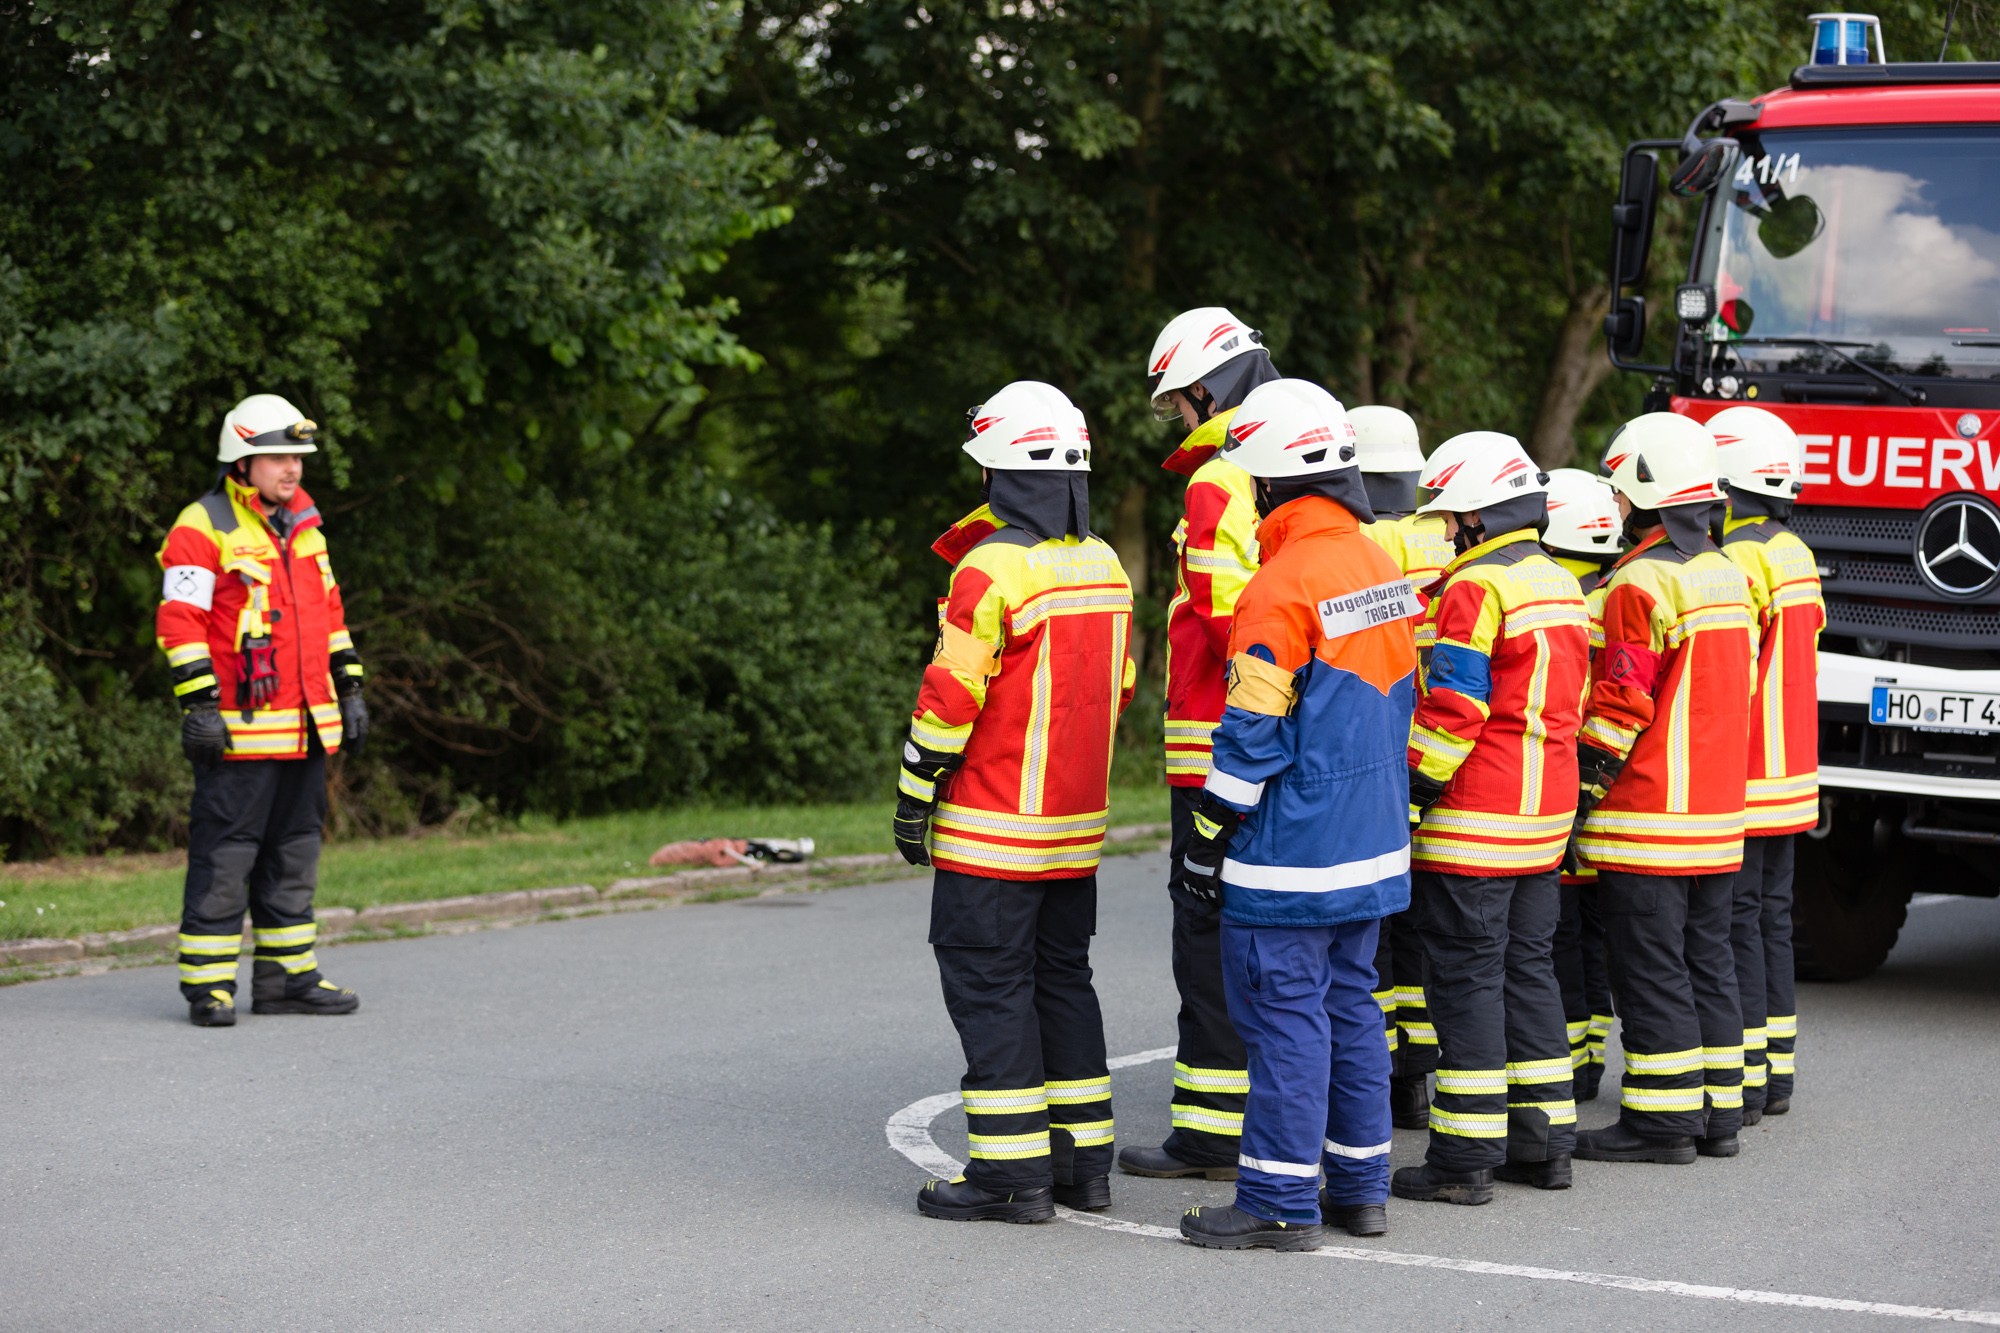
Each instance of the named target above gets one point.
<point>1307,516</point>
<point>1200,445</point>
<point>305,514</point>
<point>1736,522</point>
<point>1652,539</point>
<point>1487,547</point>
<point>1582,567</point>
<point>967,533</point>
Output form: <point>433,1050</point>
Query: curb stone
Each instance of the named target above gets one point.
<point>150,944</point>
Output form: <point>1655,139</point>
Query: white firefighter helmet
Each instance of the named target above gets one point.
<point>264,423</point>
<point>1290,428</point>
<point>1029,426</point>
<point>1477,470</point>
<point>1194,343</point>
<point>1583,514</point>
<point>1387,439</point>
<point>1663,461</point>
<point>1756,451</point>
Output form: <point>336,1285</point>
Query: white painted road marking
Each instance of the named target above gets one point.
<point>909,1133</point>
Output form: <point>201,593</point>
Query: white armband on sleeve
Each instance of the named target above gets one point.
<point>191,584</point>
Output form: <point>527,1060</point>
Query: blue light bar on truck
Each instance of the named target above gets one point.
<point>1842,39</point>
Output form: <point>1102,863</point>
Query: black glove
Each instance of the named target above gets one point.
<point>912,823</point>
<point>353,721</point>
<point>1596,770</point>
<point>1201,860</point>
<point>924,772</point>
<point>1425,792</point>
<point>204,738</point>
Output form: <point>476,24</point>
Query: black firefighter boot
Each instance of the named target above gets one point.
<point>1616,1142</point>
<point>1356,1219</point>
<point>275,991</point>
<point>216,1009</point>
<point>1230,1228</point>
<point>1588,1078</point>
<point>1088,1195</point>
<point>1160,1163</point>
<point>962,1201</point>
<point>1553,1174</point>
<point>1431,1184</point>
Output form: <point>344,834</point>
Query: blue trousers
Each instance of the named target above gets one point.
<point>1302,999</point>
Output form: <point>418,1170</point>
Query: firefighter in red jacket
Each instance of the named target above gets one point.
<point>1392,459</point>
<point>1662,758</point>
<point>1203,364</point>
<point>1763,469</point>
<point>1492,763</point>
<point>262,664</point>
<point>1007,768</point>
<point>1583,537</point>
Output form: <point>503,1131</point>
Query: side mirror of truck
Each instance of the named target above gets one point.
<point>1704,168</point>
<point>1625,328</point>
<point>1632,219</point>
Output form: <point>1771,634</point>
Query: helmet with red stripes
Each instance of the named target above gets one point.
<point>1029,426</point>
<point>1663,461</point>
<point>1583,514</point>
<point>1290,428</point>
<point>1756,451</point>
<point>1193,344</point>
<point>1477,470</point>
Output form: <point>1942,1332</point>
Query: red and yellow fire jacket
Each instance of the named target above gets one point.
<point>1671,692</point>
<point>1031,671</point>
<point>1590,576</point>
<point>1215,553</point>
<point>1784,715</point>
<point>1502,702</point>
<point>1416,542</point>
<point>229,577</point>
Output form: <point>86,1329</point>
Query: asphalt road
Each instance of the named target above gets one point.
<point>675,1119</point>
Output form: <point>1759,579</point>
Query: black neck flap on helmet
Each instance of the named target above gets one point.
<point>1757,504</point>
<point>1048,504</point>
<point>1391,494</point>
<point>1231,382</point>
<point>1509,515</point>
<point>1342,486</point>
<point>1691,528</point>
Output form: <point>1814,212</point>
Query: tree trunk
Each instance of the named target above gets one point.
<point>1133,543</point>
<point>1577,368</point>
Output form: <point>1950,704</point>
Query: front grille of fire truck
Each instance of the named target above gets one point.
<point>1877,605</point>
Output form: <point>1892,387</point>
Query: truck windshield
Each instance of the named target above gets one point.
<point>1884,241</point>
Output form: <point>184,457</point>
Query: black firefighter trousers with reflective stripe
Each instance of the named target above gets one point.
<point>1211,1071</point>
<point>1504,1082</point>
<point>1760,934</point>
<point>253,841</point>
<point>1580,971</point>
<point>1014,957</point>
<point>1674,981</point>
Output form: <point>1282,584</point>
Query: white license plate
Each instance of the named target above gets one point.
<point>1934,710</point>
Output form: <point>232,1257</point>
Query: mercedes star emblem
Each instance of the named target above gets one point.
<point>1968,425</point>
<point>1958,546</point>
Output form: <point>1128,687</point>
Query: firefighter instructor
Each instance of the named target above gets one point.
<point>269,684</point>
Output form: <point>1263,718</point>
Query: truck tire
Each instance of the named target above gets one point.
<point>1850,900</point>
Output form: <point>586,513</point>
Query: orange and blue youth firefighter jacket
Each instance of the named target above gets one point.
<point>1502,701</point>
<point>1416,542</point>
<point>1670,692</point>
<point>1783,794</point>
<point>1215,553</point>
<point>1322,680</point>
<point>232,582</point>
<point>1031,671</point>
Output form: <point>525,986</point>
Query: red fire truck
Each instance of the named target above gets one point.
<point>1845,274</point>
